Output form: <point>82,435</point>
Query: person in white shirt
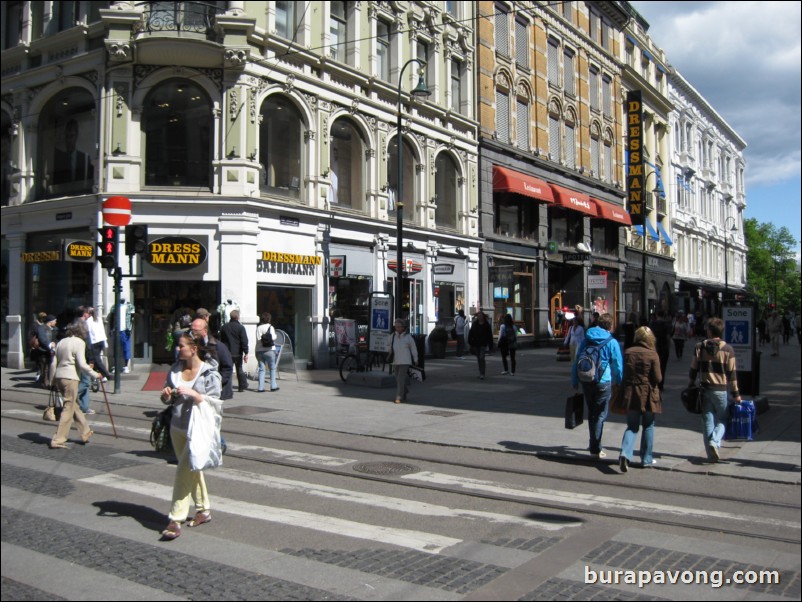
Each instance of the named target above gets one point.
<point>405,354</point>
<point>266,354</point>
<point>575,336</point>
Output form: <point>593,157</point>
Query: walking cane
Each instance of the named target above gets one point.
<point>106,397</point>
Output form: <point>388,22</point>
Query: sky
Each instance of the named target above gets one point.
<point>744,59</point>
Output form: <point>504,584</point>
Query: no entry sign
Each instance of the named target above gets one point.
<point>117,211</point>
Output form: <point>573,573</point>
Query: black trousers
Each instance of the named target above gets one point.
<point>242,378</point>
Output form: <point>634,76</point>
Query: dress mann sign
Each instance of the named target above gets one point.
<point>635,179</point>
<point>176,253</point>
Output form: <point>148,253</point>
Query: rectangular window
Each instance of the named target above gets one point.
<point>569,72</point>
<point>593,26</point>
<point>13,25</point>
<point>607,95</point>
<point>285,19</point>
<point>554,65</point>
<point>337,31</point>
<point>567,10</point>
<point>608,163</point>
<point>555,139</point>
<point>521,44</point>
<point>456,86</point>
<point>605,35</point>
<point>522,131</point>
<point>502,116</point>
<point>594,88</point>
<point>424,50</point>
<point>502,33</point>
<point>595,163</point>
<point>570,145</point>
<point>383,50</point>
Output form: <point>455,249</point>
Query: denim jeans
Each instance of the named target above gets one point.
<point>83,392</point>
<point>714,416</point>
<point>125,344</point>
<point>269,358</point>
<point>634,421</point>
<point>597,396</point>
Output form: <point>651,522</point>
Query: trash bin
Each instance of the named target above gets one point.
<point>749,382</point>
<point>420,344</point>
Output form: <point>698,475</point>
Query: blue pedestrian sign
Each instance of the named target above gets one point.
<point>380,319</point>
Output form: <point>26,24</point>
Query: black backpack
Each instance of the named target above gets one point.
<point>267,337</point>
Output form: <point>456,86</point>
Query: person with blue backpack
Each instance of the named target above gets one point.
<point>598,366</point>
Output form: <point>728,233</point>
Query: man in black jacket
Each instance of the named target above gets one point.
<point>219,352</point>
<point>236,339</point>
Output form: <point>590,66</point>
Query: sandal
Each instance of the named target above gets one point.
<point>200,518</point>
<point>59,446</point>
<point>172,531</point>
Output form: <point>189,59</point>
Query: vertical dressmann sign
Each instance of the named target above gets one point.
<point>635,179</point>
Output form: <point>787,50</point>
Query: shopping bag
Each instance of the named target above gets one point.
<point>416,374</point>
<point>203,434</point>
<point>574,410</point>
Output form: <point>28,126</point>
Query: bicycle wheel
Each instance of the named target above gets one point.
<point>349,364</point>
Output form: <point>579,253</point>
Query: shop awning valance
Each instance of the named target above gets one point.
<point>664,234</point>
<point>612,212</point>
<point>652,232</point>
<point>571,199</point>
<point>508,180</point>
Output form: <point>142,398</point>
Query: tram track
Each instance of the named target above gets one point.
<point>692,500</point>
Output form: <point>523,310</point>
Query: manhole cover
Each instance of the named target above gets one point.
<point>443,413</point>
<point>385,468</point>
<point>248,410</point>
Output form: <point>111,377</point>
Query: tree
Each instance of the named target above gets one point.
<point>771,268</point>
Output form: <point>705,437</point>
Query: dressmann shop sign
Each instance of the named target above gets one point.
<point>288,263</point>
<point>79,250</point>
<point>176,253</point>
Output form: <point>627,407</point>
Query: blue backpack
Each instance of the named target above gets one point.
<point>588,363</point>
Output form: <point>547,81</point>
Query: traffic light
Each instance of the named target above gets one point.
<point>136,239</point>
<point>109,239</point>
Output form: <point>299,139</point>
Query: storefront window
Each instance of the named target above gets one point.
<point>347,165</point>
<point>565,226</point>
<point>514,217</point>
<point>65,163</point>
<point>412,302</point>
<point>449,298</point>
<point>604,236</point>
<point>177,123</point>
<point>350,298</point>
<point>513,292</point>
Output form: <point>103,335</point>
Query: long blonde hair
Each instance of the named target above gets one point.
<point>645,336</point>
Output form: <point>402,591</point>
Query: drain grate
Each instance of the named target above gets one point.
<point>443,413</point>
<point>385,468</point>
<point>248,410</point>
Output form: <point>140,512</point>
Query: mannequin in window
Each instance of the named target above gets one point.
<point>225,309</point>
<point>70,164</point>
<point>121,319</point>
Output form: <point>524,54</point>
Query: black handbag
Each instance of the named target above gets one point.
<point>574,410</point>
<point>693,398</point>
<point>55,403</point>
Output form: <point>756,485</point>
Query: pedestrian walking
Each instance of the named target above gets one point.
<point>266,351</point>
<point>714,364</point>
<point>99,342</point>
<point>775,327</point>
<point>45,333</point>
<point>608,371</point>
<point>191,381</point>
<point>234,336</point>
<point>405,354</point>
<point>575,336</point>
<point>508,344</point>
<point>640,397</point>
<point>480,339</point>
<point>661,328</point>
<point>70,359</point>
<point>459,327</point>
<point>680,333</point>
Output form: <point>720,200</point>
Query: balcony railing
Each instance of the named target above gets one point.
<point>192,17</point>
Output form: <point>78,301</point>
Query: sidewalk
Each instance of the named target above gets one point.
<point>521,413</point>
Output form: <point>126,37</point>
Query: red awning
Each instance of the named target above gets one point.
<point>507,180</point>
<point>612,212</point>
<point>571,199</point>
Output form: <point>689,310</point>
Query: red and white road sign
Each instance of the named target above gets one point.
<point>117,211</point>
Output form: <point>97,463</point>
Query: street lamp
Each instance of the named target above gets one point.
<point>726,242</point>
<point>643,309</point>
<point>420,91</point>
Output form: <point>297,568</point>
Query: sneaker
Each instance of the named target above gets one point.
<point>512,373</point>
<point>126,370</point>
<point>623,463</point>
<point>504,372</point>
<point>649,464</point>
<point>481,377</point>
<point>713,451</point>
<point>599,455</point>
<point>90,411</point>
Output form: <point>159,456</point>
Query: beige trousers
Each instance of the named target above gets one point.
<point>188,484</point>
<point>70,413</point>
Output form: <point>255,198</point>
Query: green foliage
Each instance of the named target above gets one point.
<point>771,265</point>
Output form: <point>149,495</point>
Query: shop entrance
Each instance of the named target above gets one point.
<point>290,308</point>
<point>158,307</point>
<point>412,303</point>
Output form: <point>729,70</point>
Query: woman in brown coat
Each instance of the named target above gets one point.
<point>640,397</point>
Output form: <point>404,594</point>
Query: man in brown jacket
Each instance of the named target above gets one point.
<point>714,363</point>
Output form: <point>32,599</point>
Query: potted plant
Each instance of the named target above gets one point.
<point>438,340</point>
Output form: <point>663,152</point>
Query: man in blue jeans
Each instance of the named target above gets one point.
<point>81,316</point>
<point>714,363</point>
<point>610,371</point>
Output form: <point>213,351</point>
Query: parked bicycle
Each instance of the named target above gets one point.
<point>361,361</point>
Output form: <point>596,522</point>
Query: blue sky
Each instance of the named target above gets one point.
<point>744,58</point>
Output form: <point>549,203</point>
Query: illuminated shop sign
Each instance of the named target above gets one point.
<point>79,250</point>
<point>175,253</point>
<point>40,256</point>
<point>272,262</point>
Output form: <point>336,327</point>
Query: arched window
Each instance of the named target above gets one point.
<point>8,159</point>
<point>178,126</point>
<point>447,192</point>
<point>280,144</point>
<point>67,145</point>
<point>347,166</point>
<point>409,179</point>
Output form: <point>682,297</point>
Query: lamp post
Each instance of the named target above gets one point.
<point>726,262</point>
<point>420,91</point>
<point>643,308</point>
